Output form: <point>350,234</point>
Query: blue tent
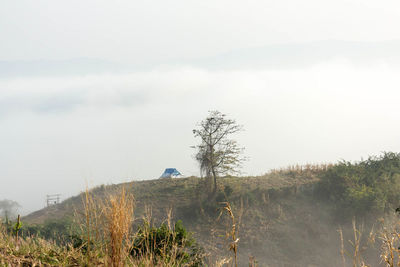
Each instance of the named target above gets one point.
<point>170,173</point>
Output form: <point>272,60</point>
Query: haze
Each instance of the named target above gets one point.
<point>105,92</point>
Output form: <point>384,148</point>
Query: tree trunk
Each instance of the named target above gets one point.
<point>209,182</point>
<point>215,181</point>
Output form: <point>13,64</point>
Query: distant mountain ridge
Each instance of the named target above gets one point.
<point>80,66</point>
<point>299,55</point>
<point>277,56</point>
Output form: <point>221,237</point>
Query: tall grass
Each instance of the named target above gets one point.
<point>105,237</point>
<point>232,233</point>
<point>386,239</point>
<point>390,242</point>
<point>91,226</point>
<point>106,226</point>
<point>118,212</point>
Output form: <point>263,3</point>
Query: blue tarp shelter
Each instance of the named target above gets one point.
<point>171,173</point>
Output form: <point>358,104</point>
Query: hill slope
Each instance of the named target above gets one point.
<point>276,214</point>
<point>285,218</point>
<point>163,194</point>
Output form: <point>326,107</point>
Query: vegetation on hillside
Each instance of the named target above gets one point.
<point>103,238</point>
<point>364,187</point>
<point>288,216</point>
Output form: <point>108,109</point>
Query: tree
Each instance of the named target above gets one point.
<point>8,208</point>
<point>217,154</point>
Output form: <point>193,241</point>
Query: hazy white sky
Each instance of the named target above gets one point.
<point>166,63</point>
<point>160,30</point>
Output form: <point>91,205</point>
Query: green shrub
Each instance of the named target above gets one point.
<point>57,230</point>
<point>368,186</point>
<point>228,191</point>
<point>220,197</point>
<point>161,241</point>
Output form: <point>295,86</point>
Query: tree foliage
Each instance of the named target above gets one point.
<point>217,154</point>
<point>8,208</point>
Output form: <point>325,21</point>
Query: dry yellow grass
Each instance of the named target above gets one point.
<point>390,241</point>
<point>106,226</point>
<point>232,233</point>
<point>386,239</point>
<point>302,169</point>
<point>106,229</point>
<point>118,212</point>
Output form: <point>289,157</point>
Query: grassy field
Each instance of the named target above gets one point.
<point>254,201</point>
<point>163,194</point>
<point>284,218</point>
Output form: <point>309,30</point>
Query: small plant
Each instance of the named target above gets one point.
<point>359,245</point>
<point>252,261</point>
<point>17,228</point>
<point>390,238</point>
<point>233,246</point>
<point>78,243</point>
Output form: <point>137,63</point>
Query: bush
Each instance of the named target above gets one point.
<point>228,191</point>
<point>372,185</point>
<point>221,197</point>
<point>162,241</point>
<point>57,230</point>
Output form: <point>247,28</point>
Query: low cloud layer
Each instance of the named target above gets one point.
<point>60,132</point>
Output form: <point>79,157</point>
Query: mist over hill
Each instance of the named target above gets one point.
<point>105,95</point>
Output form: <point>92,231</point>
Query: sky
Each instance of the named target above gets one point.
<point>101,92</point>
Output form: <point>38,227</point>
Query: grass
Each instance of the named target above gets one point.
<point>262,202</point>
<point>106,239</point>
<point>34,251</point>
<point>162,194</point>
<point>232,233</point>
<point>281,218</point>
<point>119,217</point>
